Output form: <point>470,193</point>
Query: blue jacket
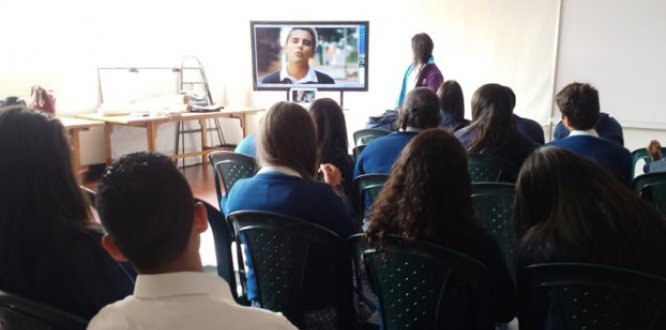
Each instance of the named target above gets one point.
<point>380,154</point>
<point>609,155</point>
<point>607,128</point>
<point>530,129</point>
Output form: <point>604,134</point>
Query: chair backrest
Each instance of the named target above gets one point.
<point>425,286</point>
<point>230,167</point>
<point>493,203</point>
<point>280,248</point>
<point>642,154</point>
<point>486,168</point>
<point>366,135</point>
<point>223,238</point>
<point>368,186</point>
<point>587,296</point>
<point>356,151</point>
<point>652,187</point>
<point>17,313</point>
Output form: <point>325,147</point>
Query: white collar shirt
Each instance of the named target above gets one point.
<point>310,77</point>
<point>184,300</point>
<point>589,132</point>
<point>279,169</point>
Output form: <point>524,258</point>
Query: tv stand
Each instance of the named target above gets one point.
<point>342,98</point>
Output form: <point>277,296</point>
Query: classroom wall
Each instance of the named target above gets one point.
<point>512,42</point>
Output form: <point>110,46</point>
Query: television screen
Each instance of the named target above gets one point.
<point>322,55</point>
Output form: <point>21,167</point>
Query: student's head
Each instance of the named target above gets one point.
<point>451,98</point>
<point>427,195</point>
<point>422,47</point>
<point>568,205</point>
<point>331,129</point>
<point>654,150</point>
<point>579,105</point>
<point>421,109</point>
<point>40,198</point>
<point>146,206</point>
<point>300,45</point>
<point>287,137</point>
<point>492,118</point>
<point>512,97</point>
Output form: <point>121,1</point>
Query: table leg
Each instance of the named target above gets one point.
<point>204,140</point>
<point>108,129</point>
<point>76,149</point>
<point>151,134</point>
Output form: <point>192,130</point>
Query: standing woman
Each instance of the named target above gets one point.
<point>428,197</point>
<point>50,249</point>
<point>423,72</point>
<point>332,143</point>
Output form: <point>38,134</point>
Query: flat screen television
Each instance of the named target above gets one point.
<point>323,55</point>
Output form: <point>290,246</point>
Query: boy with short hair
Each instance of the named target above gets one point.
<point>148,210</point>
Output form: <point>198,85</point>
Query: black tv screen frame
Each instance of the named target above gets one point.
<point>341,54</point>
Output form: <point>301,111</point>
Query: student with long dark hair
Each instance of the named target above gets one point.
<point>569,209</point>
<point>493,130</point>
<point>50,249</point>
<point>332,143</point>
<point>428,197</point>
<point>286,184</point>
<point>452,105</point>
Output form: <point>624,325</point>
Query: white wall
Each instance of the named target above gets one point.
<point>511,42</point>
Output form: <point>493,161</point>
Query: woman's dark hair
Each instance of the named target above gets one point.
<point>331,129</point>
<point>287,137</point>
<point>569,207</point>
<point>420,110</point>
<point>40,197</point>
<point>428,195</point>
<point>451,98</point>
<point>492,117</point>
<point>422,46</point>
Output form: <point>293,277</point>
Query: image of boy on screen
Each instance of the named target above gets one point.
<point>299,48</point>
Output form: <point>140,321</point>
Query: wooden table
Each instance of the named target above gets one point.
<point>151,123</point>
<point>74,126</point>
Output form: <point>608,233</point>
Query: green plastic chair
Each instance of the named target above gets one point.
<point>17,313</point>
<point>280,248</point>
<point>229,168</point>
<point>642,154</point>
<point>652,188</point>
<point>366,135</point>
<point>425,286</point>
<point>368,186</point>
<point>356,151</point>
<point>588,296</point>
<point>486,168</point>
<point>493,204</point>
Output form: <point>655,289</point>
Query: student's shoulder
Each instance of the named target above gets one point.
<point>323,78</point>
<point>111,316</point>
<point>273,78</point>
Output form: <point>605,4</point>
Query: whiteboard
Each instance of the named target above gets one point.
<point>618,46</point>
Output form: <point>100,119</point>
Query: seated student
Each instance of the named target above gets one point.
<point>493,130</point>
<point>332,144</point>
<point>452,106</point>
<point>428,197</point>
<point>420,111</point>
<point>658,163</point>
<point>50,247</point>
<point>526,126</point>
<point>579,104</point>
<point>147,207</point>
<point>285,184</point>
<point>607,127</point>
<point>568,209</point>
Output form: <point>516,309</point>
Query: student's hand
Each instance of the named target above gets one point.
<point>331,173</point>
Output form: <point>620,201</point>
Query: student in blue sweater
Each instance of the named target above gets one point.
<point>579,104</point>
<point>287,150</point>
<point>419,112</point>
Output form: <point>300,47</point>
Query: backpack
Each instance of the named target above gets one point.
<point>43,100</point>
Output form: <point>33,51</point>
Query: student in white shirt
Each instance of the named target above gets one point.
<point>147,207</point>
